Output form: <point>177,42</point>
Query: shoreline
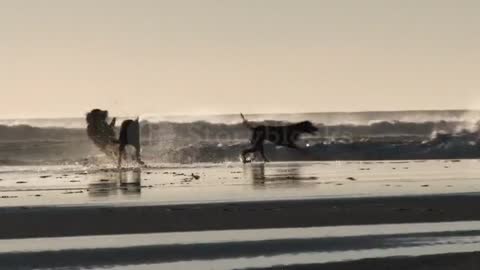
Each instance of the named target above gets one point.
<point>51,221</point>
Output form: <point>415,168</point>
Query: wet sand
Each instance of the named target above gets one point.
<point>21,222</point>
<point>66,201</point>
<point>75,201</point>
<point>233,182</point>
<point>245,249</point>
<point>460,261</point>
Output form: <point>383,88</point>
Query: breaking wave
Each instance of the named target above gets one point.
<point>443,135</point>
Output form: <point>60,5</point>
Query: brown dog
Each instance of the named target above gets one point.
<point>285,135</point>
<point>103,135</point>
<point>130,135</point>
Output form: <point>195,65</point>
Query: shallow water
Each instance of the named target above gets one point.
<point>171,183</point>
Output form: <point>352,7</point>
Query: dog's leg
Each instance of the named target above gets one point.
<point>112,124</point>
<point>119,166</point>
<point>244,154</point>
<point>262,152</point>
<point>138,156</point>
<point>121,152</point>
<point>247,151</point>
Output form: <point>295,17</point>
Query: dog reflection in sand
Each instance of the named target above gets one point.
<point>285,135</point>
<point>103,135</point>
<point>115,182</point>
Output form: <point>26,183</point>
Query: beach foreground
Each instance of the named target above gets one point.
<point>339,215</point>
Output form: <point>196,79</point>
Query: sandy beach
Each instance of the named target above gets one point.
<point>433,205</point>
<point>161,184</point>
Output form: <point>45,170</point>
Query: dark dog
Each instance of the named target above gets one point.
<point>103,135</point>
<point>130,135</point>
<point>278,135</point>
<point>99,131</point>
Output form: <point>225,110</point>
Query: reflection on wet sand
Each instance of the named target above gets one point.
<point>257,173</point>
<point>123,182</point>
<point>289,175</point>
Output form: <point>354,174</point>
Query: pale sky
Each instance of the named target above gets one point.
<point>63,57</point>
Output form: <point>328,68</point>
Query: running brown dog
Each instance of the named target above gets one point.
<point>285,135</point>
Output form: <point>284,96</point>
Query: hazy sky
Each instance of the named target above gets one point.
<point>63,57</point>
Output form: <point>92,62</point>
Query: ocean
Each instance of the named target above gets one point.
<point>220,138</point>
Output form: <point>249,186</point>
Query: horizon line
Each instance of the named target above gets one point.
<point>254,113</point>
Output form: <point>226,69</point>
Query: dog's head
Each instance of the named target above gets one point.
<point>307,127</point>
<point>96,116</point>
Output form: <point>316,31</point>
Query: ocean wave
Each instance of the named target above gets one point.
<point>439,146</point>
<point>221,132</point>
<point>445,146</point>
<point>326,118</point>
<point>204,141</point>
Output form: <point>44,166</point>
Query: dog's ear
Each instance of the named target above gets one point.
<point>307,126</point>
<point>93,115</point>
<point>89,118</point>
<point>304,124</point>
<point>104,115</point>
<point>311,127</point>
<point>96,115</point>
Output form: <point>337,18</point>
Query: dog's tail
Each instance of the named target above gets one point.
<point>245,121</point>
